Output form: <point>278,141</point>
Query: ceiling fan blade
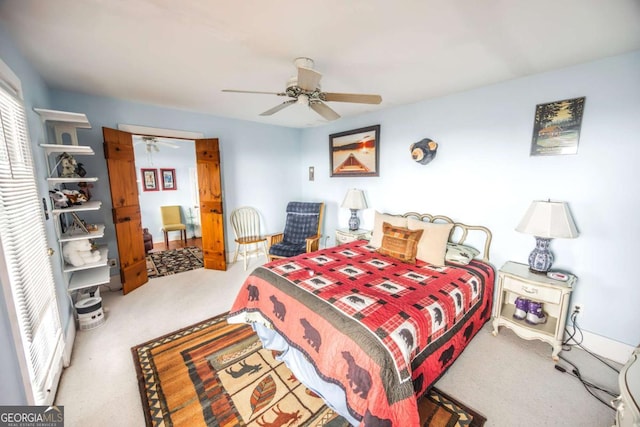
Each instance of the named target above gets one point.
<point>308,79</point>
<point>254,91</point>
<point>278,108</point>
<point>167,144</point>
<point>324,110</point>
<point>352,97</point>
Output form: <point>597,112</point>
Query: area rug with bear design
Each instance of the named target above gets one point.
<point>217,374</point>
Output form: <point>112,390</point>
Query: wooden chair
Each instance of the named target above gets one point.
<point>172,221</point>
<point>302,231</point>
<point>245,222</point>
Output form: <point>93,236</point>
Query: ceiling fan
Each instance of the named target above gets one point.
<point>305,89</point>
<point>152,142</point>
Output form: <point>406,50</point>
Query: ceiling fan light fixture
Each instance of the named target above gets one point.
<point>303,100</point>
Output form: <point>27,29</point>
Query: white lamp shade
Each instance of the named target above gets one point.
<point>549,220</point>
<point>354,200</point>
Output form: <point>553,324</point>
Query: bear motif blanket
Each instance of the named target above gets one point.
<point>382,329</point>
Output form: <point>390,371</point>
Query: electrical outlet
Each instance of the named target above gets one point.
<point>578,308</point>
<point>112,262</point>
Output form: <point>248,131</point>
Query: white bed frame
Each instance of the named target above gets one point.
<point>460,234</point>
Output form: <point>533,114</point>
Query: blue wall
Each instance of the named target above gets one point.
<point>259,168</point>
<point>258,162</point>
<point>483,175</point>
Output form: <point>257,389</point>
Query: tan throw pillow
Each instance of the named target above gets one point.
<point>433,244</point>
<point>399,242</point>
<point>376,235</point>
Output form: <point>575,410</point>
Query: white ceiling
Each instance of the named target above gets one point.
<point>181,54</point>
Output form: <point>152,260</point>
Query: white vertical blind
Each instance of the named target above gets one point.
<point>25,258</point>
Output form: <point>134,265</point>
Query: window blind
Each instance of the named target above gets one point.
<point>27,265</point>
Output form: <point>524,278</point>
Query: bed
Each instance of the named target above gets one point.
<point>366,329</point>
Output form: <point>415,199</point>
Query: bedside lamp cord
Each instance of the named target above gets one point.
<point>575,372</point>
<point>587,385</point>
<point>571,337</point>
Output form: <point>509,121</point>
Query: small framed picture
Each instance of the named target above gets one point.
<point>556,127</point>
<point>169,179</point>
<point>149,179</point>
<point>355,152</point>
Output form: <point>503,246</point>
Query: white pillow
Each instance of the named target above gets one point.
<point>460,254</point>
<point>376,236</point>
<point>433,243</point>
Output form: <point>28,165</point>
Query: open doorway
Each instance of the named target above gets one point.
<point>166,175</point>
<point>123,181</point>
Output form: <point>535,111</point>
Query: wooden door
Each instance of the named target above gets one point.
<point>211,214</point>
<point>118,151</point>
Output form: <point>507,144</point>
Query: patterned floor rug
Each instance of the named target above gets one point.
<point>173,261</point>
<point>217,374</point>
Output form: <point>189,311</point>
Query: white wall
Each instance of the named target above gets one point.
<point>483,175</point>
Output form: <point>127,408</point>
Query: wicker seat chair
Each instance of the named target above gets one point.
<point>302,231</point>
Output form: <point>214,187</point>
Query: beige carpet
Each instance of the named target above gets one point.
<point>511,380</point>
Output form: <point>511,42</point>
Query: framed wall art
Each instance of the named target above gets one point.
<point>168,179</point>
<point>355,152</point>
<point>556,128</point>
<point>149,179</point>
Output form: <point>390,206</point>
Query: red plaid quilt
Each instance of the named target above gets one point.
<point>382,329</point>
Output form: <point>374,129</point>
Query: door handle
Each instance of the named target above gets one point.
<point>50,252</point>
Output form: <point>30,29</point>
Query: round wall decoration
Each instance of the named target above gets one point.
<point>424,151</point>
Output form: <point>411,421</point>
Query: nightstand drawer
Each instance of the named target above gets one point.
<point>535,292</point>
<point>347,236</point>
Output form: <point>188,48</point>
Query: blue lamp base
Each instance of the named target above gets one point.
<point>354,221</point>
<point>541,258</point>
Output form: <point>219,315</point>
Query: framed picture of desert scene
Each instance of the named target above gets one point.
<point>355,152</point>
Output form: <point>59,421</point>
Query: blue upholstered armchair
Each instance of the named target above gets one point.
<point>302,231</point>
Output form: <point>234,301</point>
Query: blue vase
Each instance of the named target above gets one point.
<point>541,258</point>
<point>354,221</point>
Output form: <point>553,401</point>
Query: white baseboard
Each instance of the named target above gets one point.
<point>606,347</point>
<point>114,282</point>
<point>69,339</point>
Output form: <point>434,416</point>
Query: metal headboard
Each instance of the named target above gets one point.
<point>459,232</point>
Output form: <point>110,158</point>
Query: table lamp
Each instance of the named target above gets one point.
<point>354,200</point>
<point>546,220</point>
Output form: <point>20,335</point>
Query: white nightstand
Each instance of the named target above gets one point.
<point>628,403</point>
<point>515,280</point>
<point>344,235</point>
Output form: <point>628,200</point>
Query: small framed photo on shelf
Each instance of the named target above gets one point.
<point>168,179</point>
<point>149,179</point>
